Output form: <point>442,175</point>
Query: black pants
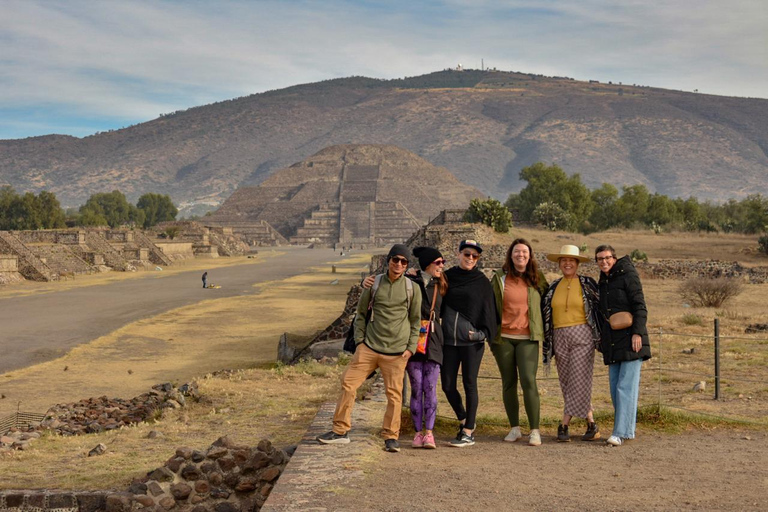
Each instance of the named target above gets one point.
<point>469,358</point>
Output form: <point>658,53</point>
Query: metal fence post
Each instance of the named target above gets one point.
<point>717,359</point>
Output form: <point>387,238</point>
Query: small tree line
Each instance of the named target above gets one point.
<point>43,211</point>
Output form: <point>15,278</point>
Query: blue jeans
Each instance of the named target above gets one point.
<point>625,384</point>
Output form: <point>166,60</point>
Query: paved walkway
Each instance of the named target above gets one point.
<point>41,327</point>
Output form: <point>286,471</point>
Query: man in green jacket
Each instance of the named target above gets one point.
<point>386,340</point>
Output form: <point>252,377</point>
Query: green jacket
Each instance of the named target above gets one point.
<point>393,327</point>
<point>535,322</point>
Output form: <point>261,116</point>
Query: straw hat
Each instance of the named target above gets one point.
<point>567,251</point>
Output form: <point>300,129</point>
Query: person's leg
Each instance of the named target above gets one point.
<point>582,363</point>
<point>527,357</point>
<point>563,363</point>
<point>429,389</point>
<point>627,389</point>
<point>470,368</point>
<point>362,364</point>
<point>415,371</point>
<point>449,374</point>
<point>392,371</point>
<point>504,353</point>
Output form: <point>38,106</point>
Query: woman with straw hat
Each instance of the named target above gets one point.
<point>571,334</point>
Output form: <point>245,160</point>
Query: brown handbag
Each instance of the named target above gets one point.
<point>620,320</point>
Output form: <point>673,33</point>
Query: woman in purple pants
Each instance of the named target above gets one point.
<point>424,369</point>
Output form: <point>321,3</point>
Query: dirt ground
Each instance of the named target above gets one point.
<point>718,470</point>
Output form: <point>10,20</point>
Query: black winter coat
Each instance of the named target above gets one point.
<point>435,342</point>
<point>621,291</point>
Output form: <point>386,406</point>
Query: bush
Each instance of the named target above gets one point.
<point>552,216</point>
<point>762,243</point>
<point>709,293</point>
<point>638,255</point>
<point>692,319</point>
<point>491,213</point>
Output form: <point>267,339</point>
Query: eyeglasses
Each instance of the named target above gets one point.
<point>472,255</point>
<point>438,262</point>
<point>607,258</point>
<point>399,261</point>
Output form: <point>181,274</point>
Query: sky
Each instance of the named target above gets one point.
<point>78,67</point>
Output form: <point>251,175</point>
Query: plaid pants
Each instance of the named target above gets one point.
<point>575,359</point>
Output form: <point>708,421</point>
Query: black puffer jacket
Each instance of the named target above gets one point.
<point>435,342</point>
<point>621,291</point>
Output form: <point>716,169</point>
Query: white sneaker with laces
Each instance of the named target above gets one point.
<point>614,441</point>
<point>513,435</point>
<point>534,438</point>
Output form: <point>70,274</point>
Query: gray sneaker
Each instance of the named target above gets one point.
<point>391,445</point>
<point>332,437</point>
<point>462,440</point>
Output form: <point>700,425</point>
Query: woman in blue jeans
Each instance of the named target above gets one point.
<point>624,337</point>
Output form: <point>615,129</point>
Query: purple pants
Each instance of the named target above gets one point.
<point>423,376</point>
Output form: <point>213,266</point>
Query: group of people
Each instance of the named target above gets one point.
<point>433,323</point>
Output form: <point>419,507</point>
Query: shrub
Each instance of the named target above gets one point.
<point>762,243</point>
<point>638,255</point>
<point>552,216</point>
<point>692,319</point>
<point>491,213</point>
<point>709,293</point>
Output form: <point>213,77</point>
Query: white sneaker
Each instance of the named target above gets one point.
<point>513,435</point>
<point>613,440</point>
<point>534,439</point>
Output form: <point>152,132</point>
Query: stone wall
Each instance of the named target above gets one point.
<point>9,263</point>
<point>176,250</point>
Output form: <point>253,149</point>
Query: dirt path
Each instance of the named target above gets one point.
<point>42,327</point>
<point>693,471</point>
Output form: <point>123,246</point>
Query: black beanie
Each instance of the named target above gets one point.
<point>426,256</point>
<point>399,250</point>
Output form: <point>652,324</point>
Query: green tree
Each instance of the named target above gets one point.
<point>491,213</point>
<point>756,213</point>
<point>662,211</point>
<point>603,214</point>
<point>552,185</point>
<point>632,206</point>
<point>111,208</point>
<point>157,208</point>
<point>51,214</point>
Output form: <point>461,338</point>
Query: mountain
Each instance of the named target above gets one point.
<point>483,126</point>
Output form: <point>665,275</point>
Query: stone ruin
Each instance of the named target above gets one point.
<point>347,195</point>
<point>50,255</point>
<point>226,477</point>
<point>211,241</point>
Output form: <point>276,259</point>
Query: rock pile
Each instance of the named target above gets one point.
<point>225,477</point>
<point>17,440</point>
<point>99,414</point>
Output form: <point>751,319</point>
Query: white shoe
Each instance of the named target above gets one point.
<point>534,439</point>
<point>613,440</point>
<point>513,435</point>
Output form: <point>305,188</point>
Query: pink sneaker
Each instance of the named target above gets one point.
<point>418,440</point>
<point>429,442</point>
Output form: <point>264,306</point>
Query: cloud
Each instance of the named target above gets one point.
<point>130,61</point>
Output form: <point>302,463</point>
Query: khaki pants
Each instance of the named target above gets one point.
<point>362,364</point>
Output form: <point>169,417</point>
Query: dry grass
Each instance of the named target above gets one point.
<point>275,403</point>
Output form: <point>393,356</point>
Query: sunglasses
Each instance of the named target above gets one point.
<point>399,261</point>
<point>472,255</point>
<point>438,262</point>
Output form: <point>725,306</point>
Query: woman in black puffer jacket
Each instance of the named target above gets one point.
<point>624,347</point>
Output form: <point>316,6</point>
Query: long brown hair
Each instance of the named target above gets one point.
<point>531,273</point>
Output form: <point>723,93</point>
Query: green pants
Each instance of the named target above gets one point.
<point>513,357</point>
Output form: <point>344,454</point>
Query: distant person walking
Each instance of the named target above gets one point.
<point>205,279</point>
<point>625,340</point>
<point>518,288</point>
<point>385,340</point>
<point>468,319</point>
<point>571,335</point>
